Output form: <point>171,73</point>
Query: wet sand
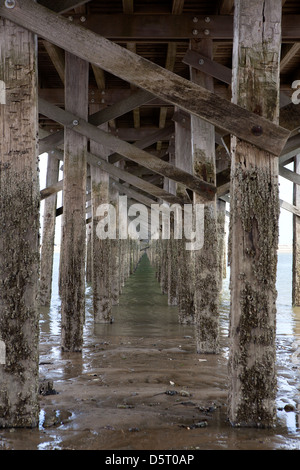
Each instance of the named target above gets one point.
<point>139,385</point>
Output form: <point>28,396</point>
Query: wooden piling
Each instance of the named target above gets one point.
<point>296,240</point>
<point>19,223</point>
<point>73,246</point>
<point>205,258</point>
<point>254,219</point>
<point>101,248</point>
<point>49,221</point>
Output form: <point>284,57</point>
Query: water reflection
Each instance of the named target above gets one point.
<point>143,312</point>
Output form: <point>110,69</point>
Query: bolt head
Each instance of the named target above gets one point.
<point>207,19</point>
<point>257,130</point>
<point>195,19</point>
<point>10,3</point>
<point>195,32</point>
<point>75,122</point>
<point>201,61</point>
<point>206,32</point>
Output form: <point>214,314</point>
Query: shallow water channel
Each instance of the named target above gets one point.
<point>139,385</point>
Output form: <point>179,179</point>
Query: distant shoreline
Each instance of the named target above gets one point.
<point>285,249</point>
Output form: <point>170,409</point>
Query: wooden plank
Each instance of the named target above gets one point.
<point>118,173</point>
<point>177,7</point>
<point>289,114</point>
<point>127,6</point>
<point>178,91</point>
<point>129,151</point>
<point>290,207</point>
<point>226,7</point>
<point>100,117</point>
<point>120,27</point>
<point>57,56</point>
<point>63,5</point>
<point>160,27</point>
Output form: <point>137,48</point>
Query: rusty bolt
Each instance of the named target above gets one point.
<point>257,130</point>
<point>10,3</point>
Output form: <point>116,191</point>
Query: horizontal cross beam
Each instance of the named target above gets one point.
<point>127,150</point>
<point>289,113</point>
<point>174,27</point>
<point>148,76</point>
<point>119,174</point>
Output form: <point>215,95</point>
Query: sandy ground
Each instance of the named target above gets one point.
<point>139,393</point>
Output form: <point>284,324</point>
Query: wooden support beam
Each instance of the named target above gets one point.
<point>177,7</point>
<point>129,151</point>
<point>57,56</point>
<point>100,247</point>
<point>296,239</point>
<point>206,257</point>
<point>127,6</point>
<point>226,7</point>
<point>118,173</point>
<point>151,28</point>
<point>63,5</point>
<point>254,215</point>
<point>72,282</point>
<point>149,76</point>
<point>100,117</point>
<point>19,225</point>
<point>47,248</point>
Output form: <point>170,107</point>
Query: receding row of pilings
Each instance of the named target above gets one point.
<point>182,277</point>
<point>254,214</point>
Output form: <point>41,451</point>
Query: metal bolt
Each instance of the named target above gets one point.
<point>206,32</point>
<point>70,18</point>
<point>201,61</point>
<point>195,19</point>
<point>75,122</point>
<point>92,100</point>
<point>99,163</point>
<point>10,3</point>
<point>207,19</point>
<point>257,130</point>
<point>82,19</point>
<point>195,32</point>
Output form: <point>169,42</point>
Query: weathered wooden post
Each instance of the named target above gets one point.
<point>73,247</point>
<point>49,221</point>
<point>101,252</point>
<point>206,259</point>
<point>185,278</point>
<point>19,224</point>
<point>296,241</point>
<point>254,219</point>
<point>115,248</point>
